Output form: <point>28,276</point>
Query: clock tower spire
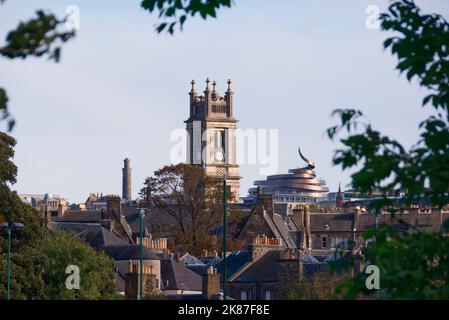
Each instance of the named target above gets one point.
<point>211,135</point>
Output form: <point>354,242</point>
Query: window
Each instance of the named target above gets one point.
<point>219,108</point>
<point>268,295</point>
<point>341,242</point>
<point>323,242</point>
<point>219,145</point>
<point>245,295</point>
<point>220,139</point>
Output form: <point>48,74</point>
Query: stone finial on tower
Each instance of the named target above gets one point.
<point>207,85</point>
<point>192,95</point>
<point>228,98</point>
<point>215,95</point>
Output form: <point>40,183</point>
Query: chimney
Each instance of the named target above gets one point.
<point>132,281</point>
<point>257,250</point>
<point>291,269</point>
<point>413,216</point>
<point>211,283</point>
<point>113,206</point>
<point>307,228</point>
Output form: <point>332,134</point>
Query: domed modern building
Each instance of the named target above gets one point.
<point>297,186</point>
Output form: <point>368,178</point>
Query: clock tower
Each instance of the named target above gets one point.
<point>211,135</point>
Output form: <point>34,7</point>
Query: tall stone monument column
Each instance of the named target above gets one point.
<point>126,183</point>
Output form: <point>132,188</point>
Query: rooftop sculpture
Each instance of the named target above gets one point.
<point>310,163</point>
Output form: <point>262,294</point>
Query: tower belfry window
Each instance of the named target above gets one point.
<point>219,144</point>
<point>218,108</point>
<point>219,139</point>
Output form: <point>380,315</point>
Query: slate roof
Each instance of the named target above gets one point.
<point>76,227</point>
<point>264,269</point>
<point>175,276</point>
<point>281,226</point>
<point>103,237</point>
<point>287,229</point>
<point>79,216</point>
<point>154,216</point>
<point>344,222</point>
<point>92,233</point>
<point>129,252</point>
<point>119,283</point>
<point>234,262</point>
<point>194,297</point>
<point>307,258</point>
<point>198,269</point>
<point>331,222</point>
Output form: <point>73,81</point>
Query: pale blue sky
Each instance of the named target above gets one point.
<point>120,88</point>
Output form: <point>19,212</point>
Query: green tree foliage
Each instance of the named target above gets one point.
<point>97,275</point>
<point>176,12</point>
<point>150,290</point>
<point>37,37</point>
<point>4,112</point>
<point>26,282</point>
<point>412,264</point>
<point>39,259</point>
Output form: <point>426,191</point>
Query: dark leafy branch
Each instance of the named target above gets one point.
<point>175,12</point>
<point>4,113</point>
<point>40,36</point>
<point>37,37</point>
<point>422,50</point>
<point>413,264</point>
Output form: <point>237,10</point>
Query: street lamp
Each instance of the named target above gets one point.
<point>225,276</point>
<point>141,217</point>
<point>10,226</point>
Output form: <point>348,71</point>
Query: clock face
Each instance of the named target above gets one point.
<point>219,156</point>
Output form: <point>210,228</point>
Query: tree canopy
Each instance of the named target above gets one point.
<point>40,258</point>
<point>192,200</point>
<point>413,265</point>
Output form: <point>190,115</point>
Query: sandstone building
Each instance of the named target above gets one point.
<point>211,135</point>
